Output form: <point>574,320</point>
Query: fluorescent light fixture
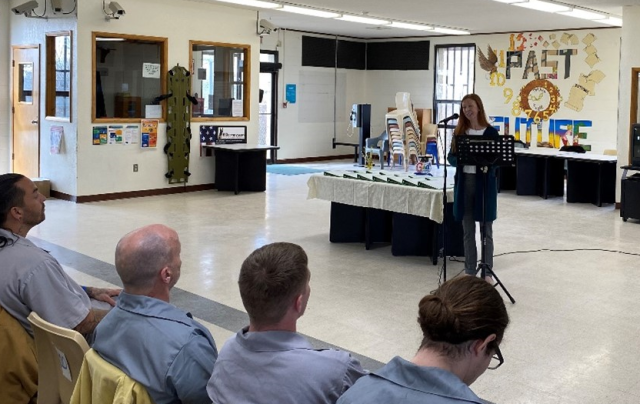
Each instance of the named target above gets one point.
<point>405,25</point>
<point>363,20</point>
<point>612,21</point>
<point>103,39</point>
<point>543,6</point>
<point>253,3</point>
<point>511,1</point>
<point>584,14</point>
<point>450,31</point>
<point>309,11</point>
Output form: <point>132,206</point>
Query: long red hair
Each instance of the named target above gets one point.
<point>463,121</point>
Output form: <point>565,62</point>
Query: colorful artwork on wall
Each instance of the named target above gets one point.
<point>540,76</point>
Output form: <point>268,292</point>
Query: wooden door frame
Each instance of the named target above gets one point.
<point>13,123</point>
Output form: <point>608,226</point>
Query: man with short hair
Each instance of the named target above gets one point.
<point>32,280</point>
<point>155,343</point>
<point>268,361</point>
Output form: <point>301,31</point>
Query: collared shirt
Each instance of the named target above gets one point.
<point>159,346</point>
<point>32,280</point>
<point>280,367</point>
<point>401,381</point>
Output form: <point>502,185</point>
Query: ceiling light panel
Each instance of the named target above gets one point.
<point>309,11</point>
<point>363,20</point>
<point>612,21</point>
<point>511,1</point>
<point>252,3</point>
<point>543,6</point>
<point>584,14</point>
<point>450,31</point>
<point>416,27</point>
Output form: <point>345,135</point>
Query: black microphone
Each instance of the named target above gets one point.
<point>452,117</point>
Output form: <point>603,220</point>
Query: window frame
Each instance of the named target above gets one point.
<point>164,47</point>
<point>50,87</point>
<point>246,100</point>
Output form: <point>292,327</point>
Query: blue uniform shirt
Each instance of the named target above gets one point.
<point>401,381</point>
<point>159,346</point>
<point>280,367</point>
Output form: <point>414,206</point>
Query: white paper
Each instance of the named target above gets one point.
<point>236,108</point>
<point>131,134</point>
<point>151,70</point>
<point>64,365</point>
<point>153,111</point>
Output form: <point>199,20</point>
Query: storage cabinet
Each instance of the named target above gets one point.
<point>630,190</point>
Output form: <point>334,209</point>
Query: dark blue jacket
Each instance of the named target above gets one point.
<point>491,208</point>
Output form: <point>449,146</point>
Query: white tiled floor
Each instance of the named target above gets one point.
<point>575,331</point>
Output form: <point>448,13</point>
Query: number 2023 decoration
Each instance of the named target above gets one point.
<point>539,99</point>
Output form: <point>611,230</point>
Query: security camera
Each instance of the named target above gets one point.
<point>116,9</point>
<point>56,5</point>
<point>266,27</point>
<point>25,8</point>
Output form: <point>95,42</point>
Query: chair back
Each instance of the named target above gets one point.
<point>60,352</point>
<point>573,149</point>
<point>101,382</point>
<point>519,144</point>
<point>19,370</point>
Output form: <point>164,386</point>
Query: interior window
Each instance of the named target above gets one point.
<point>130,74</point>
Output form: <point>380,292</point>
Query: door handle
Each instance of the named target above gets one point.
<point>35,122</point>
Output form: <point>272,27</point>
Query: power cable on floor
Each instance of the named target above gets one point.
<point>454,259</point>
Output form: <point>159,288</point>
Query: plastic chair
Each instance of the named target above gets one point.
<point>19,370</point>
<point>519,144</point>
<point>60,352</point>
<point>101,382</point>
<point>573,149</point>
<point>379,145</point>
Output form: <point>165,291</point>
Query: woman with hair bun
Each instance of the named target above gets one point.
<point>462,324</point>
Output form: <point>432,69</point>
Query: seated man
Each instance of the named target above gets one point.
<point>268,361</point>
<point>161,347</point>
<point>32,280</point>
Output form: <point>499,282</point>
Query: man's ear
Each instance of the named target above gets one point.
<point>165,275</point>
<point>16,212</point>
<point>298,303</point>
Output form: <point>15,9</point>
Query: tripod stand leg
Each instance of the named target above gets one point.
<point>499,283</point>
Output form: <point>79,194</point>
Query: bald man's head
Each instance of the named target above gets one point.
<point>142,255</point>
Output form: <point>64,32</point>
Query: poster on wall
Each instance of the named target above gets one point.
<point>115,134</point>
<point>149,133</point>
<point>131,133</point>
<point>99,135</point>
<point>231,134</point>
<point>57,133</point>
<point>290,93</point>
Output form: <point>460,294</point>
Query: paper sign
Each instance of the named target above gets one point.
<point>231,134</point>
<point>151,70</point>
<point>290,93</point>
<point>237,108</point>
<point>115,134</point>
<point>64,365</point>
<point>149,136</point>
<point>57,132</point>
<point>153,111</point>
<point>131,134</point>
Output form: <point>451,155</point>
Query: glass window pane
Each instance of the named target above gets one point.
<point>25,90</point>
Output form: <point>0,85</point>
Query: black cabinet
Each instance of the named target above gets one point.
<point>630,206</point>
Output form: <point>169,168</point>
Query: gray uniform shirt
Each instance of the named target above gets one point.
<point>32,280</point>
<point>401,381</point>
<point>280,367</point>
<point>160,346</point>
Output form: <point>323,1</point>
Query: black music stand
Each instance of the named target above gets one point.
<point>485,152</point>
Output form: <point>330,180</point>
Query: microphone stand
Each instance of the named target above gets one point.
<point>443,124</point>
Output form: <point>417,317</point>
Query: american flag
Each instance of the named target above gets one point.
<point>208,134</point>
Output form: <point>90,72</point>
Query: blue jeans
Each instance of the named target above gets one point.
<point>469,230</point>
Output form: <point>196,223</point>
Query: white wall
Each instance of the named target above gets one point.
<point>5,89</point>
<point>306,128</point>
<point>630,58</point>
<point>61,168</point>
<point>108,169</point>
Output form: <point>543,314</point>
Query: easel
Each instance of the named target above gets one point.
<point>486,152</point>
